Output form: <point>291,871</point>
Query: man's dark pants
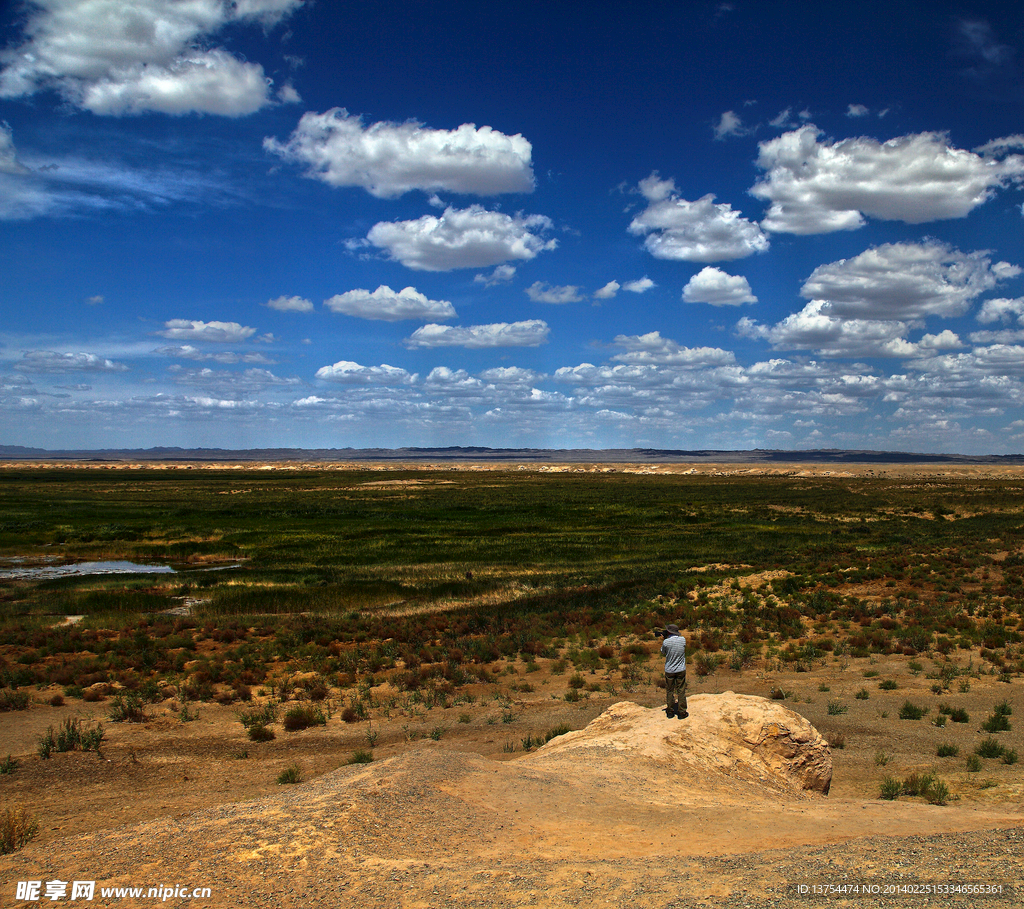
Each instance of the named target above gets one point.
<point>675,692</point>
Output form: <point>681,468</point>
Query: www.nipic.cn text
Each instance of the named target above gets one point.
<point>55,890</point>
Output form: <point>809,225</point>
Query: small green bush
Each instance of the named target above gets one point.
<point>13,700</point>
<point>989,748</point>
<point>263,715</point>
<point>959,715</point>
<point>836,708</point>
<point>947,750</point>
<point>8,766</point>
<point>973,763</point>
<point>888,685</point>
<point>999,721</point>
<point>890,789</point>
<point>260,733</point>
<point>1009,755</point>
<point>911,711</point>
<point>127,709</point>
<point>70,737</point>
<point>862,695</point>
<point>304,716</point>
<point>937,793</point>
<point>361,757</point>
<point>290,776</point>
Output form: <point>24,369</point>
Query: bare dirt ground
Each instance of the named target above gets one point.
<point>453,812</point>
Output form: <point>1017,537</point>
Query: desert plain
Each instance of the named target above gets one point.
<point>433,650</point>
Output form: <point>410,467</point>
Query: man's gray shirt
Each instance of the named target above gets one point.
<point>674,648</point>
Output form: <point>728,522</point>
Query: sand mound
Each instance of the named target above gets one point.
<point>730,742</point>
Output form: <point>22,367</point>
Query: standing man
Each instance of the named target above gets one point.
<point>673,646</point>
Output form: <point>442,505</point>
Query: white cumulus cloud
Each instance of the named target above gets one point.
<point>641,285</point>
<point>390,305</point>
<point>348,373</point>
<point>1001,310</point>
<point>149,55</point>
<point>608,291</point>
<point>530,333</point>
<point>389,159</point>
<point>905,280</point>
<point>714,286</point>
<point>501,275</point>
<point>819,186</point>
<point>48,361</point>
<point>653,349</point>
<point>542,292</point>
<point>462,238</point>
<point>194,330</point>
<point>700,231</point>
<point>290,304</point>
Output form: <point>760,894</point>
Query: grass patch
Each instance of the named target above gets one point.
<point>290,776</point>
<point>17,828</point>
<point>70,736</point>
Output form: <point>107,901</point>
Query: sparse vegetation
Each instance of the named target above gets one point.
<point>17,828</point>
<point>911,711</point>
<point>70,736</point>
<point>290,775</point>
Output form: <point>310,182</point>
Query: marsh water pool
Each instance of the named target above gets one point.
<point>48,572</point>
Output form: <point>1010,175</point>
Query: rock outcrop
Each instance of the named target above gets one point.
<point>728,742</point>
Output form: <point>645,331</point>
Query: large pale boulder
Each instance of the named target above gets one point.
<point>730,742</point>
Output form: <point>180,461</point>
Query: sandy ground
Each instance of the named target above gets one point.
<point>453,812</point>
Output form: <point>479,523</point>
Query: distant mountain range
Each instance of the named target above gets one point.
<point>520,455</point>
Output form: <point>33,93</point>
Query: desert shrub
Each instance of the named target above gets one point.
<point>911,711</point>
<point>70,737</point>
<point>17,827</point>
<point>1009,755</point>
<point>913,784</point>
<point>258,732</point>
<point>836,708</point>
<point>262,715</point>
<point>890,788</point>
<point>888,685</point>
<point>127,709</point>
<point>8,766</point>
<point>973,764</point>
<point>557,731</point>
<point>349,715</point>
<point>882,758</point>
<point>937,793</point>
<point>577,681</point>
<point>999,721</point>
<point>989,748</point>
<point>836,740</point>
<point>862,694</point>
<point>707,663</point>
<point>947,750</point>
<point>361,757</point>
<point>57,700</point>
<point>290,775</point>
<point>13,700</point>
<point>303,717</point>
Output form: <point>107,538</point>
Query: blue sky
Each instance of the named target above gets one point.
<point>528,224</point>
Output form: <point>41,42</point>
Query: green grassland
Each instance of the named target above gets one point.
<point>360,573</point>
